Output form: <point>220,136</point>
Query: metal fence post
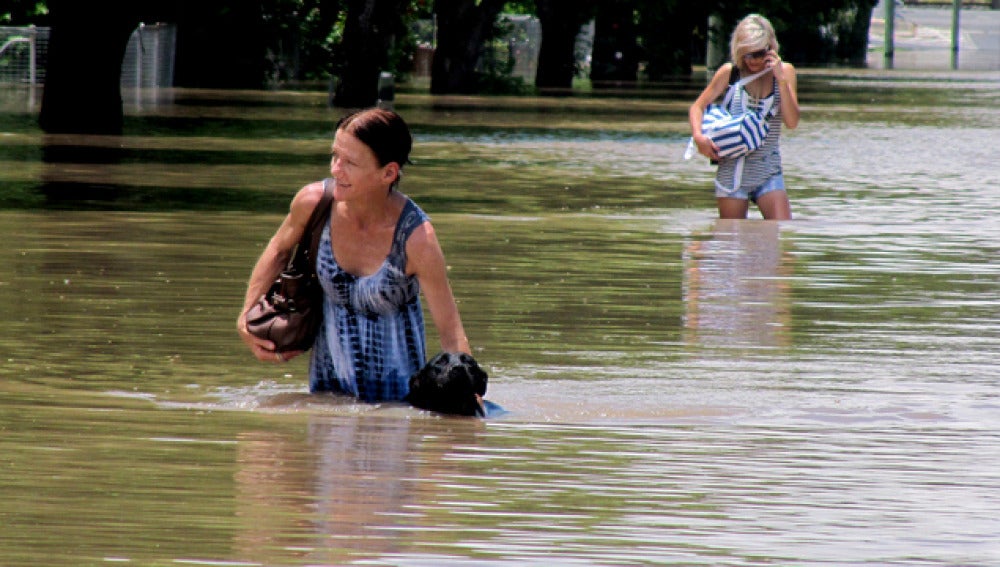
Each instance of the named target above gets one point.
<point>956,11</point>
<point>32,56</point>
<point>890,33</point>
<point>386,90</point>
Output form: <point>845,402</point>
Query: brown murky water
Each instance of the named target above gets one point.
<point>680,390</point>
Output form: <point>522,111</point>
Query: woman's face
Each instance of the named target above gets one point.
<point>356,169</point>
<point>756,59</point>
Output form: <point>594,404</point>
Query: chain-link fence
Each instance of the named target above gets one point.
<point>23,54</point>
<point>149,57</point>
<point>148,60</point>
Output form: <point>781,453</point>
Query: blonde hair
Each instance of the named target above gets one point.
<point>753,33</point>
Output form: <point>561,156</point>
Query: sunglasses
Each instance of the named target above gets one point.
<point>757,54</point>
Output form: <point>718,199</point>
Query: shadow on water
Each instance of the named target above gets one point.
<point>205,150</point>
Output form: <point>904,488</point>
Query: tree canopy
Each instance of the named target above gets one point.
<point>230,44</point>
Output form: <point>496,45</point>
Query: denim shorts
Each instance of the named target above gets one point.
<point>775,183</point>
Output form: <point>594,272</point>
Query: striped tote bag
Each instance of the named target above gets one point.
<point>737,135</point>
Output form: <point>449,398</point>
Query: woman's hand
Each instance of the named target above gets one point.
<point>773,62</point>
<point>271,262</point>
<point>262,349</point>
<point>714,89</point>
<point>706,147</point>
<point>784,74</point>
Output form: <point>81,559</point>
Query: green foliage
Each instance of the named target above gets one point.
<point>519,7</point>
<point>668,36</point>
<point>500,82</point>
<point>495,74</point>
<point>303,37</point>
<point>404,47</point>
<point>23,12</point>
<point>812,32</point>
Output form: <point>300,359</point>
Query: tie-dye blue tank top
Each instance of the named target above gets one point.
<point>372,337</point>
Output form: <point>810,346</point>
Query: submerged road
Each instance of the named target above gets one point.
<point>923,38</point>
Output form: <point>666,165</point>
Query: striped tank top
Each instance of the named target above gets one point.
<point>761,165</point>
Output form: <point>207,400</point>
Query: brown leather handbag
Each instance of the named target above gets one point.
<point>290,312</point>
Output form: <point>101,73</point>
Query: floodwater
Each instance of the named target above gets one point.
<point>680,390</point>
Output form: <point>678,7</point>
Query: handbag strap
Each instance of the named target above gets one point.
<point>750,78</point>
<point>734,87</point>
<point>309,243</point>
<point>317,220</point>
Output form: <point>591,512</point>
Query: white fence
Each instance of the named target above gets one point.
<point>23,53</point>
<point>148,60</point>
<point>520,43</point>
<point>149,57</point>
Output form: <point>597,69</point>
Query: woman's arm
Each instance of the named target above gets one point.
<point>425,260</point>
<point>784,73</point>
<point>715,88</point>
<point>273,260</point>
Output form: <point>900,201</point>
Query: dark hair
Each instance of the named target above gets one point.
<point>383,131</point>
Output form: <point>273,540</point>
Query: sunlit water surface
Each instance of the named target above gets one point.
<point>680,390</point>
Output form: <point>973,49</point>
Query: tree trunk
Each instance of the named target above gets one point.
<point>615,50</point>
<point>220,43</point>
<point>856,41</point>
<point>463,27</point>
<point>667,35</point>
<point>561,21</point>
<point>83,78</point>
<point>364,51</point>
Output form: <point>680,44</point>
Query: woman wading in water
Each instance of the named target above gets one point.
<point>753,48</point>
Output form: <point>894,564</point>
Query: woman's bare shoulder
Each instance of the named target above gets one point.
<point>720,80</point>
<point>423,241</point>
<point>308,196</point>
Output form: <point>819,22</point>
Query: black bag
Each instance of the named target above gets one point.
<point>290,312</point>
<point>448,383</point>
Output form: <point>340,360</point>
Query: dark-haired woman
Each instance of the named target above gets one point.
<point>376,255</point>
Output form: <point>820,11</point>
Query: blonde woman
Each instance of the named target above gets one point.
<point>753,48</point>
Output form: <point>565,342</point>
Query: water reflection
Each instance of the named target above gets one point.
<point>349,489</point>
<point>736,288</point>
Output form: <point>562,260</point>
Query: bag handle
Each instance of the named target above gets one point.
<point>320,214</point>
<point>748,79</point>
<point>309,242</point>
<point>736,86</point>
